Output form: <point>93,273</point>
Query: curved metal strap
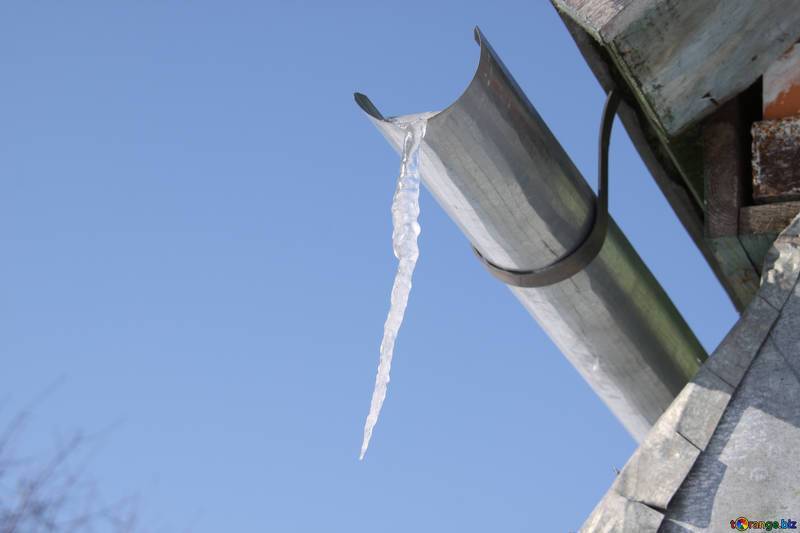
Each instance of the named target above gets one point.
<point>581,255</point>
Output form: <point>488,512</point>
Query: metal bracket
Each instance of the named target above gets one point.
<point>585,251</point>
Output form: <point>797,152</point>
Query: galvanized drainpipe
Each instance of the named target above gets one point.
<point>497,170</point>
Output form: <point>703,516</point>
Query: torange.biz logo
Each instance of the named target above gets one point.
<point>743,524</point>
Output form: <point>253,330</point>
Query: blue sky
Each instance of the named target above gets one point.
<point>195,227</point>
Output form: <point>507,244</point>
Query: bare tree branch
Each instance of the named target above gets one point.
<point>53,495</point>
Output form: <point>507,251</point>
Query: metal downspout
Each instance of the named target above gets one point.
<point>497,170</point>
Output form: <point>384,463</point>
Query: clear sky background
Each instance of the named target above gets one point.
<point>195,234</point>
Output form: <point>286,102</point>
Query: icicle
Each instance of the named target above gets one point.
<point>405,213</point>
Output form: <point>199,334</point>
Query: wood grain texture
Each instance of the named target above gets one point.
<point>767,218</point>
<point>684,58</point>
<point>724,175</point>
<point>723,169</point>
<point>591,14</point>
<point>739,282</point>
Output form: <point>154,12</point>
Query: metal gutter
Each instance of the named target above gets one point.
<point>497,170</point>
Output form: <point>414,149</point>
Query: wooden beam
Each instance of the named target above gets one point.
<point>660,159</point>
<point>723,169</point>
<point>725,177</point>
<point>684,58</point>
<point>767,218</point>
<point>591,14</point>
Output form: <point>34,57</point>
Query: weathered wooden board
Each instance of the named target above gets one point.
<point>723,165</point>
<point>661,157</point>
<point>654,155</point>
<point>724,171</point>
<point>767,218</point>
<point>591,14</point>
<point>684,58</point>
<point>776,160</point>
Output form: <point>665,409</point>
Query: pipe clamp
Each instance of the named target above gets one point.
<point>581,255</point>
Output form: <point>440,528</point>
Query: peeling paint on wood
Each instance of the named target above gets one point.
<point>684,58</point>
<point>781,97</point>
<point>676,166</point>
<point>591,14</point>
<point>776,160</point>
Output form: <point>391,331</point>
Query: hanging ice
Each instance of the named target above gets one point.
<point>405,212</point>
